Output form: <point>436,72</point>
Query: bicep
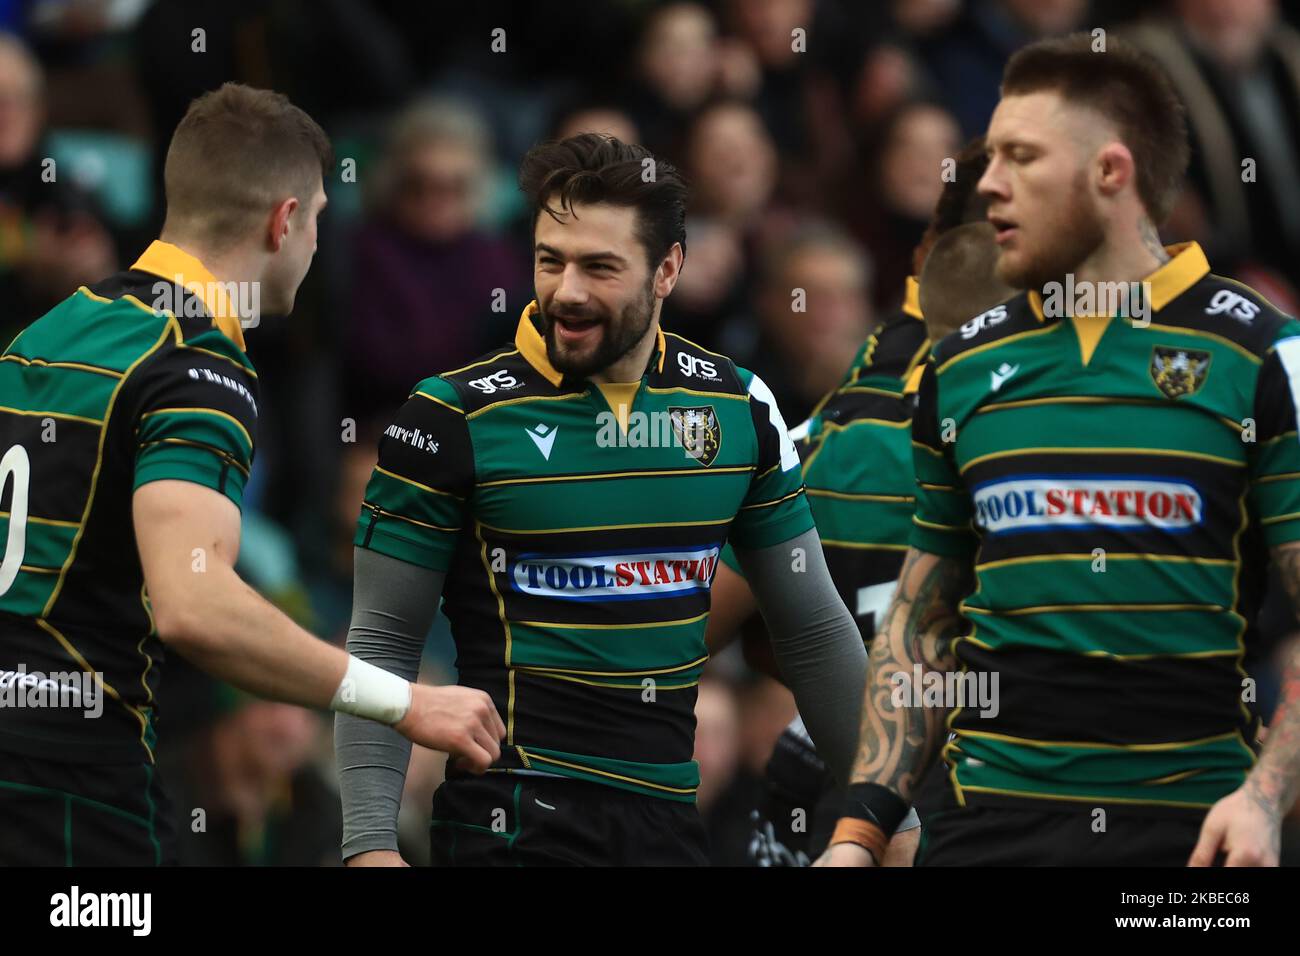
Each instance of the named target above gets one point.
<point>180,529</point>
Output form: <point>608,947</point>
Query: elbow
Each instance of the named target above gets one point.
<point>179,625</point>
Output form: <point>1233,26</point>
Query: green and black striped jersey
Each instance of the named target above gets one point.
<point>579,557</point>
<point>99,396</point>
<point>1115,483</point>
<point>856,450</point>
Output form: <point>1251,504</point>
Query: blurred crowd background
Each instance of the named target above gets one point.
<point>814,158</point>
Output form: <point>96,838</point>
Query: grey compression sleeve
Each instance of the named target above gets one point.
<point>817,644</point>
<point>393,604</point>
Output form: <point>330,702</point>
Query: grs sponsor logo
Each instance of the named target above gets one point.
<point>985,320</point>
<point>413,437</point>
<point>1227,302</point>
<point>693,366</point>
<point>1050,502</point>
<point>498,381</point>
<point>614,576</point>
<point>74,908</point>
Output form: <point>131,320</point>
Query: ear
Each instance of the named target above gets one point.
<point>279,224</point>
<point>1115,169</point>
<point>669,270</point>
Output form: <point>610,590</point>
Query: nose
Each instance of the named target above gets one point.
<point>572,288</point>
<point>992,184</point>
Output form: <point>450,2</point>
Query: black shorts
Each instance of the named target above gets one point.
<point>63,814</point>
<point>1004,836</point>
<point>505,819</point>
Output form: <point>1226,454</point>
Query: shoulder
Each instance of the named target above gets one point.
<point>990,327</point>
<point>498,376</point>
<point>691,366</point>
<point>1230,310</point>
<point>892,351</point>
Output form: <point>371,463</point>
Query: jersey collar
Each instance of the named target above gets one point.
<point>532,347</point>
<point>175,264</point>
<point>1187,265</point>
<point>912,298</point>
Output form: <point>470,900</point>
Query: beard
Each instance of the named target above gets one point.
<point>1075,235</point>
<point>618,336</point>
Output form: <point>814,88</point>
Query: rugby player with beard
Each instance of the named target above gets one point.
<point>1099,486</point>
<point>568,496</point>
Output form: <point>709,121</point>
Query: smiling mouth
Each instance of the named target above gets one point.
<point>572,329</point>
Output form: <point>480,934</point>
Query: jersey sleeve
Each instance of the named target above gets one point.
<point>775,508</point>
<point>415,501</point>
<point>1275,461</point>
<point>196,416</point>
<point>941,523</point>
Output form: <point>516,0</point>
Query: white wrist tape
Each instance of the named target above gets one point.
<point>372,692</point>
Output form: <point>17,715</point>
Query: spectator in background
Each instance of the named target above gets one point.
<point>426,276</point>
<point>676,71</point>
<point>247,792</point>
<point>1236,67</point>
<point>905,164</point>
<point>731,165</point>
<point>52,238</point>
<point>814,311</point>
<point>793,90</point>
<point>596,118</point>
<point>728,789</point>
<point>966,61</point>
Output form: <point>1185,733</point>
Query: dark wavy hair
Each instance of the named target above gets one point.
<point>592,168</point>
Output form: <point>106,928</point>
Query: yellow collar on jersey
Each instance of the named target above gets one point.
<point>1186,266</point>
<point>533,348</point>
<point>912,298</point>
<point>175,264</point>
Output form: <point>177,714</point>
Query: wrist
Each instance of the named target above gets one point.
<point>372,692</point>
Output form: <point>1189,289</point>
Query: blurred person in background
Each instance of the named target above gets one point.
<point>966,60</point>
<point>52,236</point>
<point>596,117</point>
<point>727,787</point>
<point>248,791</point>
<point>676,71</point>
<point>793,89</point>
<point>1236,67</point>
<point>430,273</point>
<point>814,310</point>
<point>732,164</point>
<point>905,160</point>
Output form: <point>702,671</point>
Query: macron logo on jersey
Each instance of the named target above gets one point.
<point>623,576</point>
<point>1051,502</point>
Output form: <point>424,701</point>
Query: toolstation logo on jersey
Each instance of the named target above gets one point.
<point>615,576</point>
<point>1048,502</point>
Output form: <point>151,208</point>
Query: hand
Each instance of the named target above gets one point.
<point>376,858</point>
<point>1243,826</point>
<point>846,854</point>
<point>460,721</point>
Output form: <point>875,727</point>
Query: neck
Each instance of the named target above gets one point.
<point>232,265</point>
<point>631,366</point>
<point>1129,257</point>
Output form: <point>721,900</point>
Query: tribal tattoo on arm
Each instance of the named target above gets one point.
<point>1275,782</point>
<point>897,744</point>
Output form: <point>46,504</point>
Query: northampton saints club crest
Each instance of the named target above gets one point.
<point>1178,372</point>
<point>699,431</point>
